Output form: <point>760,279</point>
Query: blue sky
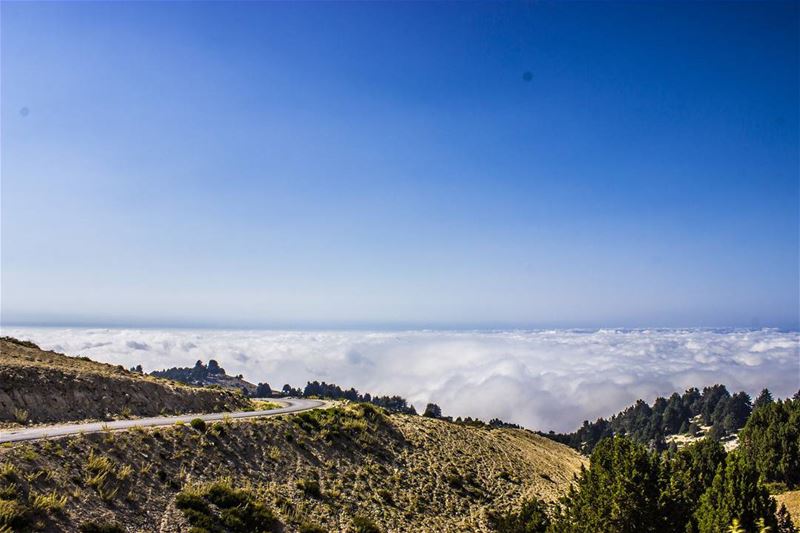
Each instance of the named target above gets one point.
<point>268,164</point>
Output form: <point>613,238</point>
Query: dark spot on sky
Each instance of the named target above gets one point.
<point>528,76</point>
<point>24,111</point>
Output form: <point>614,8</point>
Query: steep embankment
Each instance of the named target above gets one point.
<point>41,386</point>
<point>336,470</point>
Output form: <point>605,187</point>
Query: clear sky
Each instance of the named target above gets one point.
<point>432,164</point>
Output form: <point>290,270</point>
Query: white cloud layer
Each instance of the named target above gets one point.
<point>551,379</point>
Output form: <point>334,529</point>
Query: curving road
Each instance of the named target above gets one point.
<point>293,405</point>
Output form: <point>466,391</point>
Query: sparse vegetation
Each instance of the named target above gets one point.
<point>101,527</point>
<point>198,424</point>
<point>362,524</point>
<point>21,415</point>
<point>49,502</point>
<point>48,387</point>
<point>220,507</point>
<point>310,487</point>
<point>351,459</point>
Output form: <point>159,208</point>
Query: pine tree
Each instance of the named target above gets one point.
<point>691,472</point>
<point>432,411</point>
<point>765,398</point>
<point>735,494</point>
<point>771,441</point>
<point>619,492</point>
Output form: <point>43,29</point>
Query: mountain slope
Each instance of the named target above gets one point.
<point>333,469</point>
<point>42,386</point>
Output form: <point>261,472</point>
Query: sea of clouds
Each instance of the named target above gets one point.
<point>544,379</point>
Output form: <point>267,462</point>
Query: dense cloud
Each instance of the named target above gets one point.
<point>542,379</point>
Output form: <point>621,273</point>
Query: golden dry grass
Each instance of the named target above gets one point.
<point>15,354</point>
<point>325,467</point>
<point>791,500</point>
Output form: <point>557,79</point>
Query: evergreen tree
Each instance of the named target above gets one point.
<point>765,398</point>
<point>531,518</point>
<point>619,492</point>
<point>691,472</point>
<point>735,494</point>
<point>432,411</point>
<point>771,441</point>
<point>710,398</point>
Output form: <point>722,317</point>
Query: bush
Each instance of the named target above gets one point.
<point>310,487</point>
<point>362,524</point>
<point>198,424</point>
<point>49,502</point>
<point>101,527</point>
<point>239,510</point>
<point>21,416</point>
<point>531,518</point>
<point>13,515</point>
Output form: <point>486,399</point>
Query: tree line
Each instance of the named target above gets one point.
<point>629,487</point>
<point>726,413</point>
<point>396,404</point>
<point>190,375</point>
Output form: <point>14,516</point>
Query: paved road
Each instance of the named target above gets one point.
<point>292,405</point>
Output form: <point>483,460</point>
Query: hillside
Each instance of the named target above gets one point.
<point>42,386</point>
<point>337,469</point>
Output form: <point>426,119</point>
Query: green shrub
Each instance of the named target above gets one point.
<point>8,492</point>
<point>531,518</point>
<point>191,500</point>
<point>218,506</point>
<point>101,527</point>
<point>49,502</point>
<point>362,524</point>
<point>7,471</point>
<point>13,514</point>
<point>21,416</point>
<point>198,424</point>
<point>310,487</point>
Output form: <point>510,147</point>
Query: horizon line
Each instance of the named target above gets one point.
<point>375,326</point>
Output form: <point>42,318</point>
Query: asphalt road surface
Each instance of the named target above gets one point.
<point>293,405</point>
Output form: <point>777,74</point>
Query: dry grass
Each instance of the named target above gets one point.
<point>791,500</point>
<point>262,405</point>
<point>42,386</point>
<point>324,467</point>
<point>13,353</point>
